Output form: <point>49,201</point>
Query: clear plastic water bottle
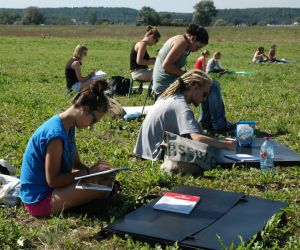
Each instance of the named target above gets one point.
<point>267,155</point>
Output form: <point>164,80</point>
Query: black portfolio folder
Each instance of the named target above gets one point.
<point>218,213</point>
<point>283,155</point>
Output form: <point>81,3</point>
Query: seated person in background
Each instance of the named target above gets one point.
<point>139,57</point>
<point>214,66</point>
<point>75,81</point>
<point>259,56</point>
<point>201,61</point>
<point>172,113</point>
<point>272,53</point>
<point>51,160</point>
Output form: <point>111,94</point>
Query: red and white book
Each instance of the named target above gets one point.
<point>178,203</point>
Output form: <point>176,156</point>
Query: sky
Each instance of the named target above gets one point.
<point>158,5</point>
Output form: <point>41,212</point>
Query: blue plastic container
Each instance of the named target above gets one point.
<point>245,131</point>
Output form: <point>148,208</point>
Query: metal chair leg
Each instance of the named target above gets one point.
<point>148,95</point>
<point>131,86</point>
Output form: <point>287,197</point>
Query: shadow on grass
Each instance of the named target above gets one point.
<point>281,131</point>
<point>105,209</point>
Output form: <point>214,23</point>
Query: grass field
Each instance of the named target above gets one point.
<point>32,89</point>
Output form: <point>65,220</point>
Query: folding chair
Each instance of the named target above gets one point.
<point>140,88</point>
<point>148,95</point>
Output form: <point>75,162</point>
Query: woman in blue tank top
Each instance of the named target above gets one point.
<point>51,161</point>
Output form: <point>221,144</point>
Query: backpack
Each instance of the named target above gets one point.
<point>119,85</point>
<point>179,149</point>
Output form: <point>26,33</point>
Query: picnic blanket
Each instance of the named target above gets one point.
<point>232,72</point>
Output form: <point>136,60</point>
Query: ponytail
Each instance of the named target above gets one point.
<point>186,81</point>
<point>95,99</point>
<point>205,52</point>
<point>149,27</point>
<point>79,51</point>
<point>199,32</point>
<point>152,31</point>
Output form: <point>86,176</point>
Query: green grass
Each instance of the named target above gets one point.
<point>32,89</point>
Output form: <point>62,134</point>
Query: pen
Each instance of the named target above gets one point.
<point>230,139</point>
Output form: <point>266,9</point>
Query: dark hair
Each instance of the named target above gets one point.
<point>182,86</point>
<point>152,31</point>
<point>205,52</point>
<point>198,31</point>
<point>186,81</point>
<point>93,97</point>
<point>217,53</point>
<point>260,49</point>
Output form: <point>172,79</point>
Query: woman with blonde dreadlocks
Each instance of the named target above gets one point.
<point>171,113</point>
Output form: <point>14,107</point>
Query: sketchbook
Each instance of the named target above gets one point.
<point>98,75</point>
<point>242,157</point>
<point>178,203</point>
<point>101,181</point>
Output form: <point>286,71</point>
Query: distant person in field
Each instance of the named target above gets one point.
<point>172,57</point>
<point>272,55</point>
<point>214,65</point>
<point>259,56</point>
<point>51,160</point>
<point>201,61</point>
<point>172,113</point>
<point>139,57</point>
<point>75,80</point>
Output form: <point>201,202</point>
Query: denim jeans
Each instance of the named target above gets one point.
<point>213,110</point>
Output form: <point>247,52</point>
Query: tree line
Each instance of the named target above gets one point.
<point>204,14</point>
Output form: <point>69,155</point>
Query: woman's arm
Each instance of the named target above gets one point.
<point>141,50</point>
<point>257,53</point>
<point>76,66</point>
<point>230,145</point>
<point>218,65</point>
<point>78,165</point>
<point>178,48</point>
<point>54,177</point>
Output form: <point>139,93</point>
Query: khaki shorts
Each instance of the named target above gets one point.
<point>75,87</point>
<point>142,74</point>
